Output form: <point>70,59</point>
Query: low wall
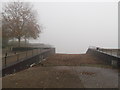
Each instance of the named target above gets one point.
<point>108,59</point>
<point>25,63</point>
<point>25,48</point>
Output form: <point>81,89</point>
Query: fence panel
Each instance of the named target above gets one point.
<point>3,61</point>
<point>20,56</point>
<point>11,59</point>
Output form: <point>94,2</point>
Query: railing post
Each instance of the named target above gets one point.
<point>5,59</point>
<point>17,57</point>
<point>32,52</point>
<point>111,52</point>
<point>26,54</point>
<point>118,52</point>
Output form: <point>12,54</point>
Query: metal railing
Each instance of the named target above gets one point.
<point>112,52</point>
<point>7,60</point>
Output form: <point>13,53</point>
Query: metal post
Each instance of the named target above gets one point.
<point>5,59</point>
<point>111,52</point>
<point>32,52</point>
<point>26,54</point>
<point>17,57</point>
<point>36,51</point>
<point>40,49</point>
<point>117,53</point>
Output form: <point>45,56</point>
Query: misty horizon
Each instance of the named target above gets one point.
<point>71,27</point>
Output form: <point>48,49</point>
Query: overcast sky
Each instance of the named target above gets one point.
<point>71,27</point>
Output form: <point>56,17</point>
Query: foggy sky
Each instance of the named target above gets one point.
<point>71,27</point>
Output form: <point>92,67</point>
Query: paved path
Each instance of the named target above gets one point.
<point>65,71</point>
<point>94,77</point>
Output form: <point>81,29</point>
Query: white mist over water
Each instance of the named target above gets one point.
<point>73,27</point>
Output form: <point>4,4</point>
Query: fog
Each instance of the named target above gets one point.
<point>71,27</point>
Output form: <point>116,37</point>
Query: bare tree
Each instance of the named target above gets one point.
<point>20,21</point>
<point>5,33</point>
<point>0,30</point>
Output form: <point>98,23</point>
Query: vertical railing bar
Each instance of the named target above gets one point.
<point>111,51</point>
<point>17,57</point>
<point>32,52</point>
<point>5,59</point>
<point>26,54</point>
<point>46,53</point>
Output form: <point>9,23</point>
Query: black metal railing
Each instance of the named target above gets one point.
<point>16,57</point>
<point>112,52</point>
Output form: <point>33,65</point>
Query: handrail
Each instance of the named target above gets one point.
<point>6,60</point>
<point>112,52</point>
